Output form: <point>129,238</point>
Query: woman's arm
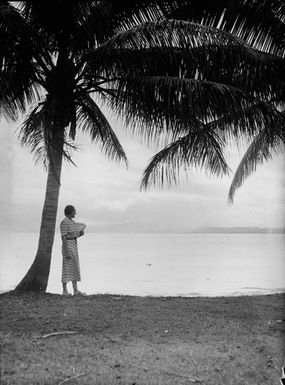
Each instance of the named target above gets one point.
<point>70,237</point>
<point>65,247</point>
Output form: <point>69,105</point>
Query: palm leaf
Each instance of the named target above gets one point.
<point>259,23</point>
<point>18,76</point>
<point>71,24</point>
<point>152,106</point>
<point>109,17</point>
<point>266,144</point>
<point>200,148</point>
<point>234,64</point>
<point>175,48</point>
<point>243,124</point>
<point>169,33</point>
<point>37,131</point>
<point>92,120</point>
<point>87,24</point>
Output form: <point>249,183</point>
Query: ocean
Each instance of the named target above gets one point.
<point>158,264</point>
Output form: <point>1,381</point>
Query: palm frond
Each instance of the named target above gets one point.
<point>73,123</point>
<point>259,23</point>
<point>18,69</point>
<point>235,64</point>
<point>200,148</point>
<point>34,133</point>
<point>192,51</point>
<point>243,124</point>
<point>92,120</point>
<point>15,102</point>
<point>266,144</point>
<point>169,33</point>
<point>151,106</point>
<point>88,24</point>
<point>109,17</point>
<point>37,132</point>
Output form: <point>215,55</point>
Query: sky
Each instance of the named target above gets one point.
<point>107,195</point>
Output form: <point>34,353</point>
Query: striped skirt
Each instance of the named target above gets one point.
<point>70,267</point>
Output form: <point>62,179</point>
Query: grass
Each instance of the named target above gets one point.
<point>141,340</point>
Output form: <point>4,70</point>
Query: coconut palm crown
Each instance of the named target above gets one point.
<point>174,80</point>
<point>261,26</point>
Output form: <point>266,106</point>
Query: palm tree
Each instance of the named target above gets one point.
<point>39,72</point>
<point>60,61</point>
<point>261,26</point>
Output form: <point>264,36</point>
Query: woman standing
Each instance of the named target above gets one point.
<point>70,261</point>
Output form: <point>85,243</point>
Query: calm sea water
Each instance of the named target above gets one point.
<point>159,264</point>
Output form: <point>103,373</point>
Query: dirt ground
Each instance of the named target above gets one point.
<point>106,339</point>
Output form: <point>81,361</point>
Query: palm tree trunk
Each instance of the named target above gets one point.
<point>37,276</point>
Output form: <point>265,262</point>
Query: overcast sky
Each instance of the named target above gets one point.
<point>107,196</point>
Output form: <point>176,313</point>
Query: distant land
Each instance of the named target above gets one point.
<point>200,230</point>
<point>239,230</point>
<point>144,228</point>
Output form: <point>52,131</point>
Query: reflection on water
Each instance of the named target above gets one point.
<point>159,264</point>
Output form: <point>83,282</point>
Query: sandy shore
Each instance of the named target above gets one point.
<point>105,339</point>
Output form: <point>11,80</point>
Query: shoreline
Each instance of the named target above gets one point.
<point>257,292</point>
<point>194,296</point>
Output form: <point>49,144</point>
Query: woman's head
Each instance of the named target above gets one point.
<point>69,210</point>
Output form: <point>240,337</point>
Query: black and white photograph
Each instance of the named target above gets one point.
<point>142,192</point>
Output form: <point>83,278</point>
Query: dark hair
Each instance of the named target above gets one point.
<point>69,209</point>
